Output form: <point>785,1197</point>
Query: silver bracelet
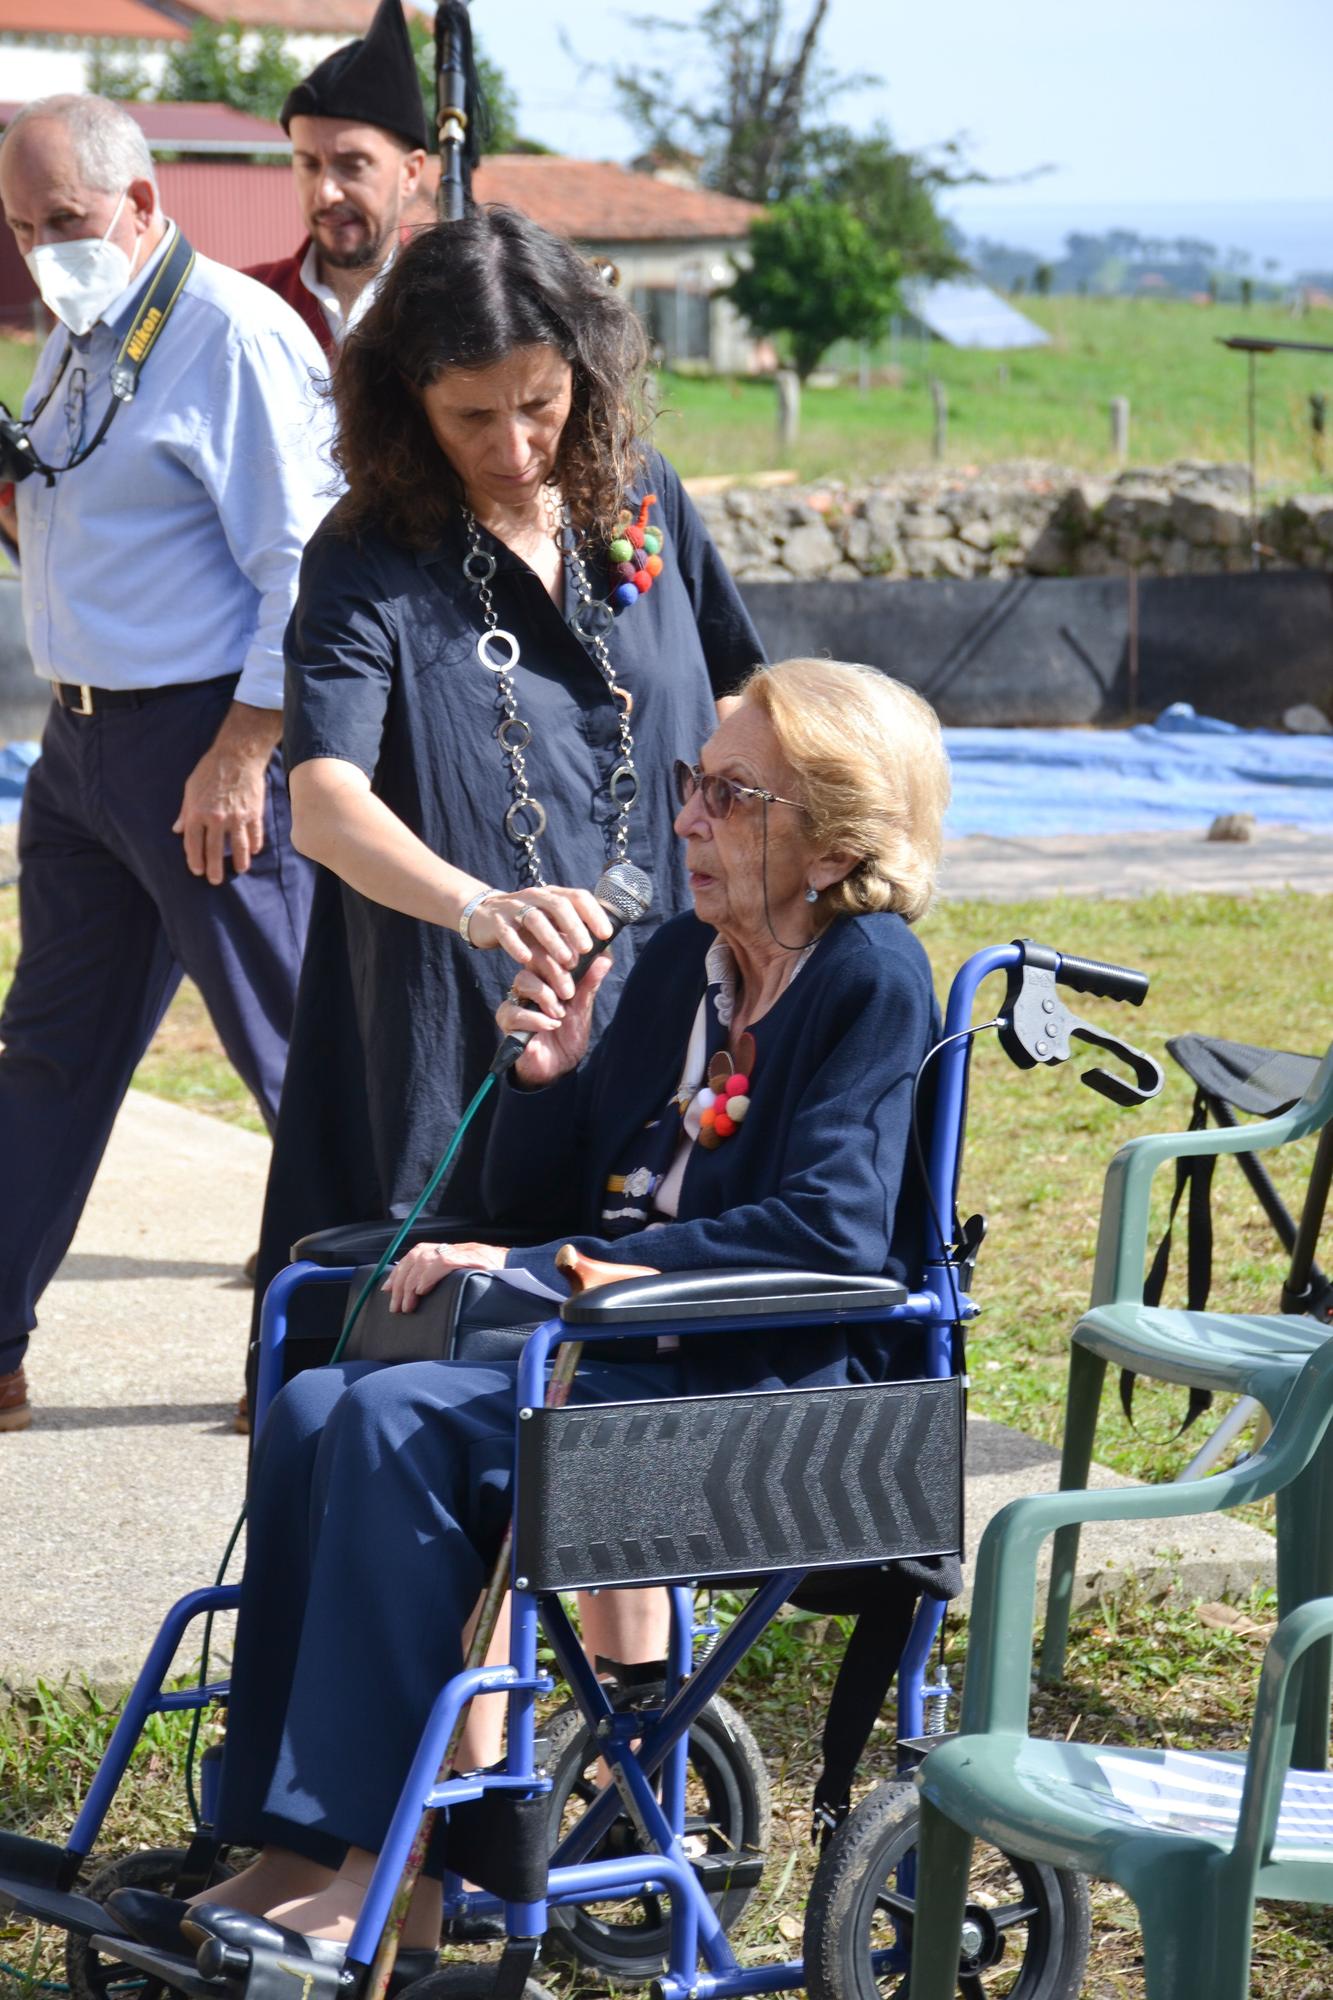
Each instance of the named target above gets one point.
<point>469,911</point>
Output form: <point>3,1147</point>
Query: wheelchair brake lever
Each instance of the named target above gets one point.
<point>1036,1027</point>
<point>1148,1077</point>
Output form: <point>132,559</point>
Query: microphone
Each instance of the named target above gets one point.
<point>626,894</point>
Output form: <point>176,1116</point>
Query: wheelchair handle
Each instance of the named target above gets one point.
<point>1104,982</point>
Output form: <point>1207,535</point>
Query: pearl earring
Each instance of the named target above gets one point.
<point>812,894</point>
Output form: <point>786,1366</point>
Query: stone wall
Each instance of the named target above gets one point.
<point>1186,519</point>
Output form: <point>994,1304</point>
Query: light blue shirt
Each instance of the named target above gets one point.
<point>172,553</point>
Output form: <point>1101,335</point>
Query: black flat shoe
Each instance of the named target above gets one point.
<point>151,1917</point>
<point>225,1939</point>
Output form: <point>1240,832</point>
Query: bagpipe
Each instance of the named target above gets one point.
<point>460,111</point>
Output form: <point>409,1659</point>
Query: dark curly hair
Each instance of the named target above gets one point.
<point>464,295</point>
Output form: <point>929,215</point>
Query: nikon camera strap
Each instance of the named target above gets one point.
<point>154,310</point>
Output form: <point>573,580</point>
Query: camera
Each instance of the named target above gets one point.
<point>17,457</point>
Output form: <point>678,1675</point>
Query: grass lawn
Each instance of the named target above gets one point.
<point>1187,398</point>
<point>1255,968</point>
<point>1186,393</point>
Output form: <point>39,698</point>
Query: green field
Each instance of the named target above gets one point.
<point>1186,393</point>
<point>1187,398</point>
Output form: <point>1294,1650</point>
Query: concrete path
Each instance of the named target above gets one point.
<point>123,1493</point>
<point>1136,864</point>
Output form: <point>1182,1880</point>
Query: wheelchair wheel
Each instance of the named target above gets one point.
<point>1028,1926</point>
<point>728,1807</point>
<point>94,1977</point>
<point>465,1982</point>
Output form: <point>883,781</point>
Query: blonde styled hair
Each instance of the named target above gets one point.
<point>873,777</point>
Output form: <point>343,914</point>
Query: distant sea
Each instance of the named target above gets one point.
<point>1299,234</point>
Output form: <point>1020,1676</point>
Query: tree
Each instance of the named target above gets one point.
<point>741,94</point>
<point>891,193</point>
<point>815,276</point>
<point>121,77</point>
<point>500,126</point>
<point>226,63</point>
<point>749,102</point>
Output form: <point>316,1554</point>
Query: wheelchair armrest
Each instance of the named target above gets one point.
<point>686,1295</point>
<point>359,1243</point>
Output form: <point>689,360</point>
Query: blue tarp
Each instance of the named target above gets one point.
<point>1180,771</point>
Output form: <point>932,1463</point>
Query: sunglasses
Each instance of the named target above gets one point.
<point>719,794</point>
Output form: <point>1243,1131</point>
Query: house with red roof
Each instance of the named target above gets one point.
<point>48,45</point>
<point>224,177</point>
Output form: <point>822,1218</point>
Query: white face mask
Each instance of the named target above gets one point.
<point>79,280</point>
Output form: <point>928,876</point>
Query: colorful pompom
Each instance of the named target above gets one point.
<point>623,572</point>
<point>708,1117</point>
<point>653,565</point>
<point>738,1085</point>
<point>621,549</point>
<point>624,595</point>
<point>737,1108</point>
<point>634,536</point>
<point>722,1125</point>
<point>640,559</point>
<point>652,541</point>
<point>642,581</point>
<point>706,1098</point>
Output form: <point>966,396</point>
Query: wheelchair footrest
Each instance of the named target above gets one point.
<point>180,1974</point>
<point>37,1880</point>
<point>37,1862</point>
<point>64,1908</point>
<point>719,1872</point>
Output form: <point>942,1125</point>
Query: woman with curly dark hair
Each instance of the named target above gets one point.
<point>508,628</point>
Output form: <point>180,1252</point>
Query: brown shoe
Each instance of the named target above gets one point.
<point>241,1420</point>
<point>15,1409</point>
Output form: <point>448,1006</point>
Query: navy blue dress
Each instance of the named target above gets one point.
<point>395,1018</point>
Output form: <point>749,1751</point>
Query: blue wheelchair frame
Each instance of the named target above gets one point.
<point>939,1308</point>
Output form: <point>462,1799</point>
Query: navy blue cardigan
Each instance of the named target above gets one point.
<point>820,1176</point>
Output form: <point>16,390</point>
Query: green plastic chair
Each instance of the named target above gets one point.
<point>1080,1806</point>
<point>1248,1354</point>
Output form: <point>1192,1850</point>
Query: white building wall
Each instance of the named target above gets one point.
<point>32,67</point>
<point>694,267</point>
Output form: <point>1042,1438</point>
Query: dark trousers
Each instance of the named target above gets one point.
<point>378,1500</point>
<point>110,918</point>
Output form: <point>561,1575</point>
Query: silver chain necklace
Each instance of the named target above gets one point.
<point>498,651</point>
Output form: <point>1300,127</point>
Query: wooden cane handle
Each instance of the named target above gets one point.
<point>585,1274</point>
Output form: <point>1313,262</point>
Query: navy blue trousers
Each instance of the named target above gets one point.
<point>110,919</point>
<point>379,1498</point>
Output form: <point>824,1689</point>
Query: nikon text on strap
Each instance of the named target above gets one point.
<point>154,310</point>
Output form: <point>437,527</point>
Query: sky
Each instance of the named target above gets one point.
<point>1147,109</point>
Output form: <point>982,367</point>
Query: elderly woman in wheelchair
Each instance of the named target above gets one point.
<point>781,1408</point>
<point>749,1104</point>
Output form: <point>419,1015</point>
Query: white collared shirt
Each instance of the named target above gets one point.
<point>340,323</point>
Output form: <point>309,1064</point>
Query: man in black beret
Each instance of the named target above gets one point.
<point>359,141</point>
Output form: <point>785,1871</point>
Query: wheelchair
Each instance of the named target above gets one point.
<point>825,1496</point>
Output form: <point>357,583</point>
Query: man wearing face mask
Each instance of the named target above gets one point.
<point>358,130</point>
<point>158,544</point>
